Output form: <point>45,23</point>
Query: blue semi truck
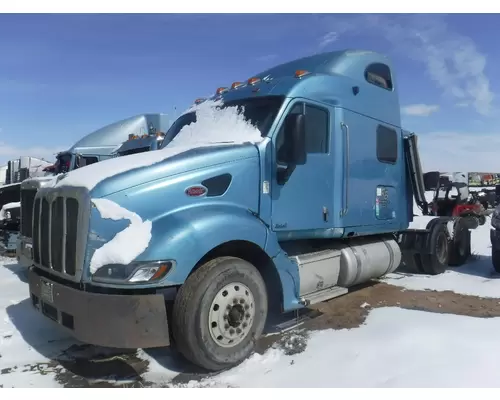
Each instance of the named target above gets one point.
<point>110,141</point>
<point>278,192</point>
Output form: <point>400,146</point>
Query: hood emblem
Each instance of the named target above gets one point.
<point>196,191</point>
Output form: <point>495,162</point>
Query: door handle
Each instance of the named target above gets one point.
<point>345,206</point>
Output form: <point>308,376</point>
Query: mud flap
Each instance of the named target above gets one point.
<point>426,251</point>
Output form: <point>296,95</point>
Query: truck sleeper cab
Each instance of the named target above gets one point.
<point>300,196</point>
<point>97,146</point>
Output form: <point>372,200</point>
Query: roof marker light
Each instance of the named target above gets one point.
<point>198,101</point>
<point>300,73</point>
<point>236,85</point>
<point>221,90</point>
<point>253,81</point>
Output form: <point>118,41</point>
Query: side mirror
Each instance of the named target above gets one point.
<point>431,180</point>
<point>295,139</point>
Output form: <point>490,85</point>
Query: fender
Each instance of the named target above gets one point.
<point>188,234</point>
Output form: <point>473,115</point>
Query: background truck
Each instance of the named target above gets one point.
<point>16,171</point>
<point>300,196</point>
<point>97,146</point>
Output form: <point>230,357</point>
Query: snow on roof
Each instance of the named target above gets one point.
<point>213,127</point>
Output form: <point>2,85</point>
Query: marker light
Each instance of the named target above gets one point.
<point>221,90</point>
<point>236,85</point>
<point>198,101</point>
<point>253,81</point>
<point>301,72</point>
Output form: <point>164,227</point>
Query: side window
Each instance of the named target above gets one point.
<point>90,160</point>
<point>379,75</point>
<point>317,129</point>
<point>387,145</point>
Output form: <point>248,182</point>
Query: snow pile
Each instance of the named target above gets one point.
<point>8,206</point>
<point>394,348</point>
<point>127,244</point>
<point>214,127</point>
<point>28,340</point>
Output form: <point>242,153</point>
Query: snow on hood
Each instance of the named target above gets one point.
<point>128,243</point>
<point>213,127</point>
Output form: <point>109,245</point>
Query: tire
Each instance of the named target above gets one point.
<point>435,259</point>
<point>495,259</point>
<point>208,307</point>
<point>460,246</point>
<point>482,220</point>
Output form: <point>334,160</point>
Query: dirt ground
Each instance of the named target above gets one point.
<point>87,366</point>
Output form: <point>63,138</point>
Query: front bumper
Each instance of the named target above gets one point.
<point>24,251</point>
<point>8,241</point>
<point>108,320</point>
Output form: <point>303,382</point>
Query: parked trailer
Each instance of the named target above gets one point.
<point>194,244</point>
<point>97,146</point>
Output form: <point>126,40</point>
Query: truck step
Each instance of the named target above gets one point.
<point>324,294</point>
<point>290,321</point>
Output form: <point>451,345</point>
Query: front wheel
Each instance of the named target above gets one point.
<point>219,313</point>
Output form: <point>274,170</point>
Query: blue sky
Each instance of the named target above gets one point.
<point>63,76</point>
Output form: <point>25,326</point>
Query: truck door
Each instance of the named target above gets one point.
<point>304,202</point>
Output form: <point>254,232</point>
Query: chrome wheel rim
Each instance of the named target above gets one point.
<point>231,315</point>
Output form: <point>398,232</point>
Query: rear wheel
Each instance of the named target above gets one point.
<point>460,246</point>
<point>495,259</point>
<point>219,313</point>
<point>435,259</point>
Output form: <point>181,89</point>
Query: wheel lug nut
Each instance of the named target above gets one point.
<point>247,306</point>
<point>247,315</point>
<point>242,301</point>
<point>225,316</point>
<point>235,301</point>
<point>231,331</point>
<point>244,325</point>
<point>238,331</point>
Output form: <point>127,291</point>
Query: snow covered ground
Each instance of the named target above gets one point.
<point>394,347</point>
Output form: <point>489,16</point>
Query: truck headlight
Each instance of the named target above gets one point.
<point>135,272</point>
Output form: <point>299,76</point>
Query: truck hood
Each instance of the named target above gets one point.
<point>116,174</point>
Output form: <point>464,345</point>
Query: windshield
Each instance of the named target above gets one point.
<point>259,111</point>
<point>134,151</point>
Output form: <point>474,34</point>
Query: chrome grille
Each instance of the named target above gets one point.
<point>60,227</point>
<point>27,200</point>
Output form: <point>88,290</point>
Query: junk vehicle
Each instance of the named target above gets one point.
<point>16,171</point>
<point>453,198</point>
<point>102,144</point>
<point>276,193</point>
